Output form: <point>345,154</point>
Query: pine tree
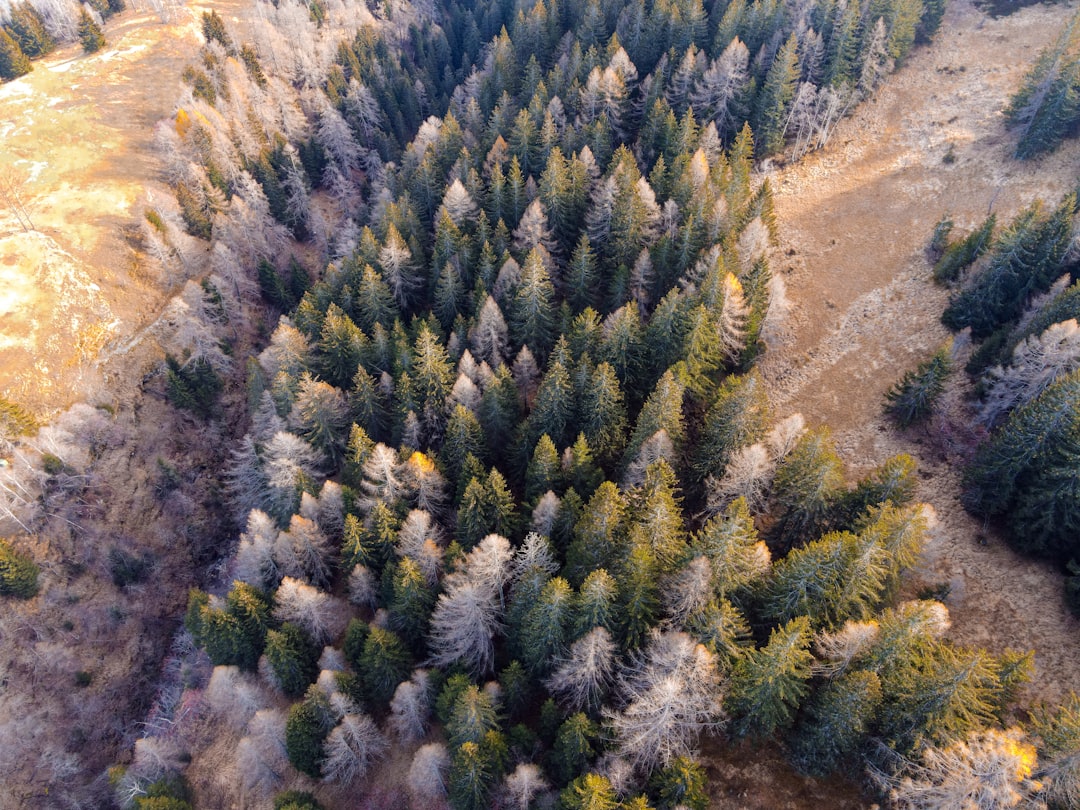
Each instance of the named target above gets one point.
<point>473,772</point>
<point>639,600</point>
<point>213,30</point>
<point>835,721</point>
<point>730,542</point>
<point>1027,464</point>
<point>472,716</point>
<point>573,748</point>
<point>738,416</point>
<point>597,534</point>
<point>383,664</point>
<point>807,484</point>
<point>768,684</point>
<point>681,784</point>
<point>90,34</point>
<point>544,471</point>
<point>13,62</point>
<point>411,603</point>
<point>604,421</point>
<point>342,347</point>
<point>545,629</point>
<point>532,314</point>
<point>308,724</point>
<point>293,659</point>
<point>18,573</point>
<point>589,792</point>
<point>776,94</point>
<point>27,28</point>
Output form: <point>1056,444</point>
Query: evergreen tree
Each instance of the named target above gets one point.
<point>383,664</point>
<point>768,684</point>
<point>1025,470</point>
<point>473,771</point>
<point>411,603</point>
<point>471,718</point>
<point>573,748</point>
<point>807,484</point>
<point>681,784</point>
<point>27,28</point>
<point>777,92</point>
<point>306,728</point>
<point>13,62</point>
<point>835,721</point>
<point>293,659</point>
<point>737,417</point>
<point>532,315</point>
<point>545,629</point>
<point>90,34</point>
<point>589,792</point>
<point>213,30</point>
<point>18,573</point>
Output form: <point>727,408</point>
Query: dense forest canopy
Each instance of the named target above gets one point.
<point>511,504</point>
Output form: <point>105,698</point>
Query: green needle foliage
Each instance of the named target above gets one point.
<point>912,399</point>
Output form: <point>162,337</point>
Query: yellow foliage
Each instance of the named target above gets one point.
<point>421,462</point>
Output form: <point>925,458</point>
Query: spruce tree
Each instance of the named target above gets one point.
<point>90,34</point>
<point>13,62</point>
<point>912,399</point>
<point>293,658</point>
<point>769,684</point>
<point>776,94</point>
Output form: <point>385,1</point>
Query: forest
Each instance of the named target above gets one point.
<point>507,518</point>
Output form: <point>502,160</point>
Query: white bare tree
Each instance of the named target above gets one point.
<point>384,479</point>
<point>261,758</point>
<point>317,613</point>
<point>254,562</point>
<point>523,785</point>
<point>533,230</point>
<point>467,614</point>
<point>427,777</point>
<point>656,447</point>
<point>670,693</point>
<point>583,678</point>
<point>748,475</point>
<point>1036,363</point>
<point>545,513</point>
<point>245,479</point>
<point>287,351</point>
<point>352,747</point>
<point>714,94</point>
<point>464,393</point>
<point>687,591</point>
<point>235,696</point>
<point>420,539</point>
<point>410,708</point>
<point>784,435</point>
<point>489,338</point>
<point>363,587</point>
<point>838,650</point>
<point>988,770</point>
<point>398,271</point>
<point>458,204</point>
<point>304,552</point>
<point>731,322</point>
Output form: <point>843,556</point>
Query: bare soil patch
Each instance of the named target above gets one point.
<point>855,219</point>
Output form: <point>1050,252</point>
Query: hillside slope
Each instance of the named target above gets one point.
<point>78,141</point>
<point>855,219</point>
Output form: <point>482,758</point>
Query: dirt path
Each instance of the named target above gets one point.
<point>855,219</point>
